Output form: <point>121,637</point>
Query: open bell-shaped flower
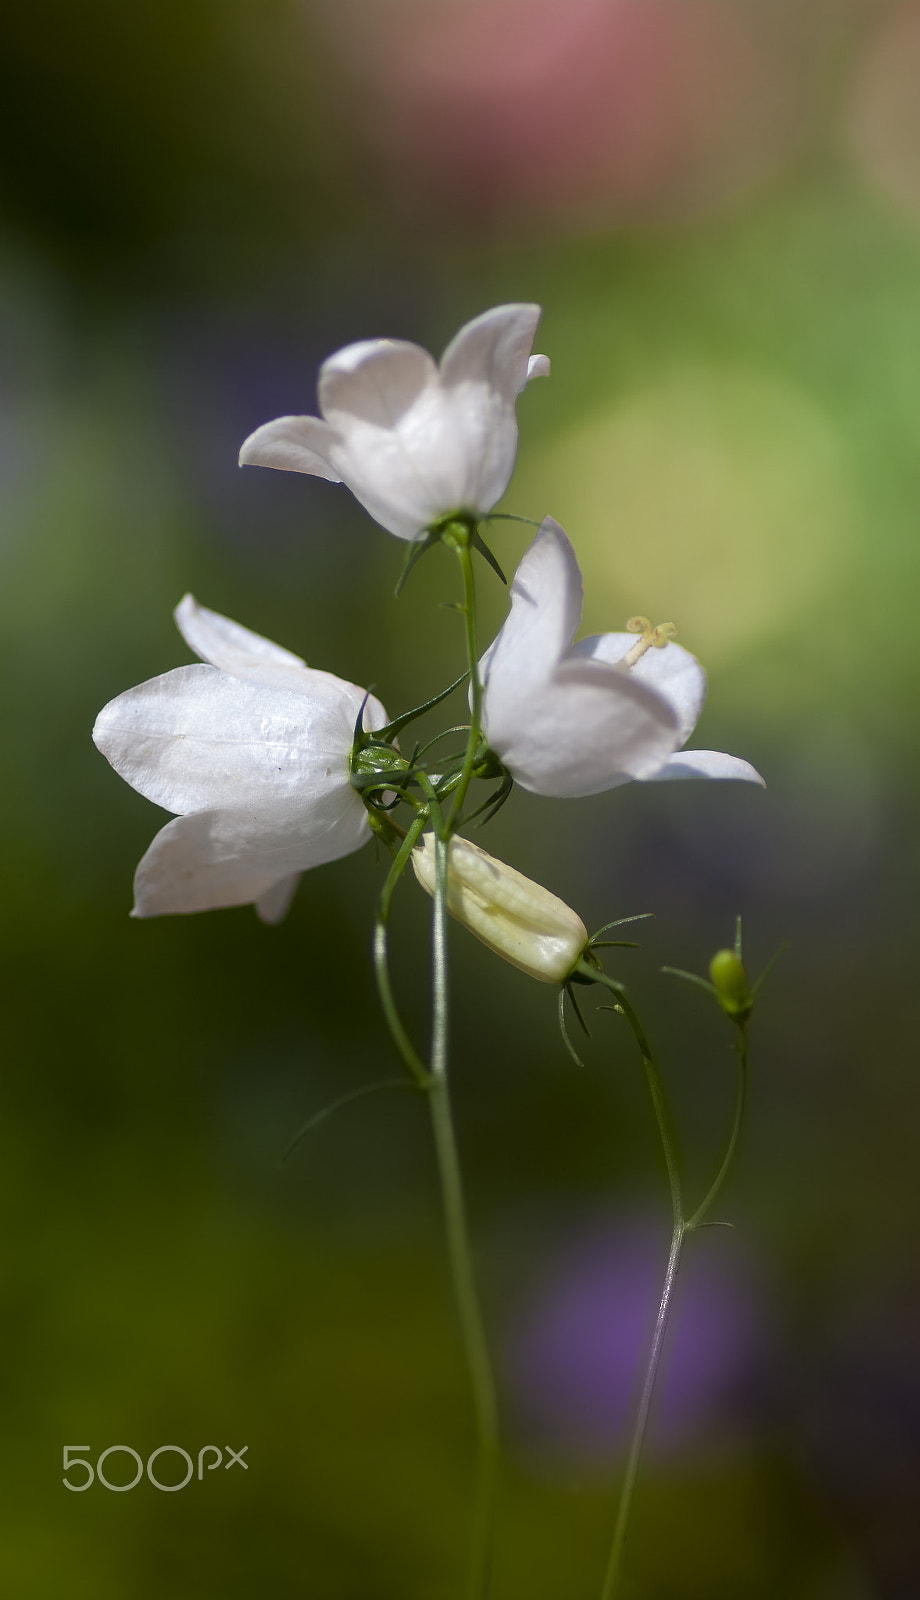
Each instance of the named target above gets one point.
<point>569,720</point>
<point>517,918</point>
<point>252,750</point>
<point>415,442</point>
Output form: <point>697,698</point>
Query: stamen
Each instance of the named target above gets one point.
<point>661,634</point>
<point>650,639</point>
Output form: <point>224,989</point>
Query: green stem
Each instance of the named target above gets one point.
<point>434,1079</point>
<point>465,557</point>
<point>394,1022</point>
<point>640,1427</point>
<point>459,1248</point>
<point>667,1132</point>
<point>668,1138</point>
<point>740,1101</point>
<point>681,1226</point>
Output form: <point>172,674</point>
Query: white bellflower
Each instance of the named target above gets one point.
<point>252,750</point>
<point>413,441</point>
<point>569,720</point>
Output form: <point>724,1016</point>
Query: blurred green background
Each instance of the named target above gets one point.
<point>718,206</point>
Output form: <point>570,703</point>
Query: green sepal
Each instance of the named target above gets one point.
<point>768,969</point>
<point>565,990</point>
<point>511,516</point>
<point>491,807</point>
<point>458,531</point>
<point>619,922</point>
<point>388,734</point>
<point>415,552</point>
<point>691,977</point>
<point>478,543</point>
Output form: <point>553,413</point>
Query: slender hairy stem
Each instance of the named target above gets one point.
<point>434,1079</point>
<point>458,1245</point>
<point>381,964</point>
<point>664,1118</point>
<point>740,1100</point>
<point>681,1226</point>
<point>640,1427</point>
<point>668,1138</point>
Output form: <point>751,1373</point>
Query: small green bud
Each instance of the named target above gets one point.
<point>729,980</point>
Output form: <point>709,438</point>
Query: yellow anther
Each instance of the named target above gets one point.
<point>650,639</point>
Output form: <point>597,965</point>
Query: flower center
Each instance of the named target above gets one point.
<point>649,639</point>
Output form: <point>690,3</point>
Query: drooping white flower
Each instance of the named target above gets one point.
<point>517,918</point>
<point>252,751</point>
<point>573,720</point>
<point>415,442</point>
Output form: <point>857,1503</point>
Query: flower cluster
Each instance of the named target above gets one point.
<point>273,767</point>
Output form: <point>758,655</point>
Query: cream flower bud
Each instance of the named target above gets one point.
<point>515,917</point>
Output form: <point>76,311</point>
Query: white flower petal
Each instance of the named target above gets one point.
<point>672,670</point>
<point>546,599</point>
<point>293,444</point>
<point>493,350</point>
<point>272,906</point>
<point>235,649</point>
<point>538,367</point>
<point>383,398</point>
<point>197,738</point>
<point>220,858</point>
<point>375,381</point>
<point>589,728</point>
<point>483,370</point>
<point>707,764</point>
<point>408,476</point>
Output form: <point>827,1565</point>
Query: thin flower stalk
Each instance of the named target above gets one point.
<point>459,1247</point>
<point>433,1080</point>
<point>681,1225</point>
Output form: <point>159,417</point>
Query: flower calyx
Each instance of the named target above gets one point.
<point>458,531</point>
<point>376,768</point>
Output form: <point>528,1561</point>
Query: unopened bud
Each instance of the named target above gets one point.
<point>729,980</point>
<point>517,918</point>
